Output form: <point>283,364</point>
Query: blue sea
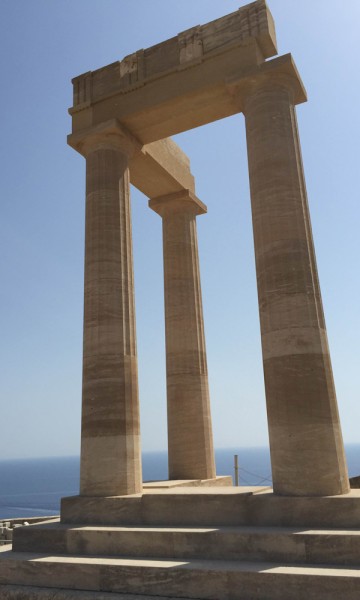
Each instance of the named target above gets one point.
<point>33,487</point>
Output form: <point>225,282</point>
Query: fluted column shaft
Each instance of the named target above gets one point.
<point>306,445</point>
<point>110,437</point>
<point>190,442</point>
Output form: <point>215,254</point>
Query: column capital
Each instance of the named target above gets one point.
<point>178,202</point>
<point>108,135</point>
<point>281,72</point>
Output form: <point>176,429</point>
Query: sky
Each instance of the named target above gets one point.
<point>44,43</point>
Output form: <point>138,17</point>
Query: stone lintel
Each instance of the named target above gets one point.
<point>281,70</point>
<point>177,202</point>
<point>107,134</point>
<point>161,168</point>
<point>252,21</point>
<point>185,99</point>
<point>178,84</point>
<point>155,169</point>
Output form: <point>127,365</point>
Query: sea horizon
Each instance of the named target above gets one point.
<point>31,487</point>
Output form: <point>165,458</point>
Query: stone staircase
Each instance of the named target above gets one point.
<point>186,543</point>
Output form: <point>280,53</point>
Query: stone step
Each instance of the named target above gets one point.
<point>337,547</point>
<point>214,506</point>
<point>21,592</point>
<point>201,579</point>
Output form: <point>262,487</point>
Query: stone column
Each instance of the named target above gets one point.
<point>110,435</point>
<point>306,444</point>
<point>191,453</point>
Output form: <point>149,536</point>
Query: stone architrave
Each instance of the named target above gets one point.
<point>190,441</point>
<point>110,436</point>
<point>307,452</point>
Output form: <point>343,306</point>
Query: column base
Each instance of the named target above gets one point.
<point>222,480</point>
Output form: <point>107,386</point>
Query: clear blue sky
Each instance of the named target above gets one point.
<point>44,43</point>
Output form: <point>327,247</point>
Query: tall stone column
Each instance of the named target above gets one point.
<point>190,442</point>
<point>110,435</point>
<point>306,444</point>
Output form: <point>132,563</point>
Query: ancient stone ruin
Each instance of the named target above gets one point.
<point>196,536</point>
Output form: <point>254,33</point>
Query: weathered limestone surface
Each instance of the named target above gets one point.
<point>161,168</point>
<point>197,579</point>
<point>180,83</point>
<point>21,592</point>
<point>190,442</point>
<point>207,506</point>
<point>250,22</point>
<point>196,543</point>
<point>307,451</point>
<point>300,545</point>
<point>206,74</point>
<point>110,436</point>
<point>219,481</point>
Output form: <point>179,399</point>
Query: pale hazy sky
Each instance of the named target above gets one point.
<point>44,43</point>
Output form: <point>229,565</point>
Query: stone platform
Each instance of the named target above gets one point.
<point>166,484</point>
<point>190,542</point>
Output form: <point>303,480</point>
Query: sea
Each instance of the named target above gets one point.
<point>33,487</point>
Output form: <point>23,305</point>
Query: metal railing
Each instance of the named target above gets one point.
<point>244,480</point>
<point>5,533</point>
